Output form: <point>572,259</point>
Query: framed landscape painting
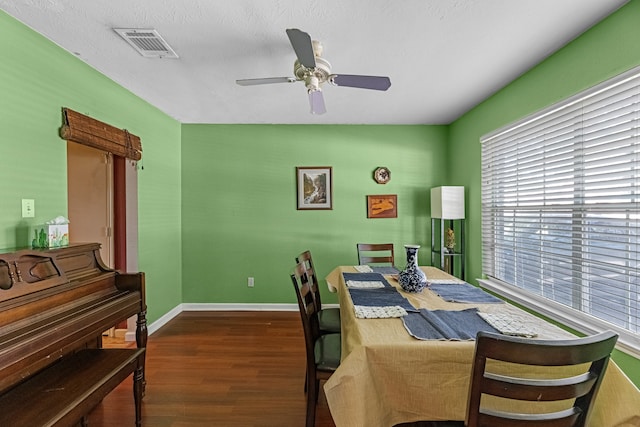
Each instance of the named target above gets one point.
<point>382,206</point>
<point>314,187</point>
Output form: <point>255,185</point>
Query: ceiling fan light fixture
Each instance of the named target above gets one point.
<point>316,101</point>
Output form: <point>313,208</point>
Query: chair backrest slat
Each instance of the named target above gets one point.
<point>538,390</point>
<point>566,418</point>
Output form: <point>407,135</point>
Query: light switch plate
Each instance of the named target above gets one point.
<point>28,208</point>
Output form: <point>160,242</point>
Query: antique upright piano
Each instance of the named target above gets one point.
<point>55,305</point>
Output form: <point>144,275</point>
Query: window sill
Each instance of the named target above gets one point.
<point>628,342</point>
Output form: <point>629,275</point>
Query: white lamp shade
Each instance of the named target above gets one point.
<point>447,202</point>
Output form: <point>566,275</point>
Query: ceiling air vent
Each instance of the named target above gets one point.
<point>147,42</point>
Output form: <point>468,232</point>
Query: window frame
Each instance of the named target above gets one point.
<point>583,322</point>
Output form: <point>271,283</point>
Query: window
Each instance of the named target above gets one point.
<point>561,208</point>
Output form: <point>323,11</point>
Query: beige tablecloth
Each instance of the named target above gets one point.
<point>387,377</point>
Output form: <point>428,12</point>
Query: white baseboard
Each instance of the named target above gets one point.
<point>238,307</point>
<point>131,335</point>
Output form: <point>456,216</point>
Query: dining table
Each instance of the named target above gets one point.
<point>395,371</point>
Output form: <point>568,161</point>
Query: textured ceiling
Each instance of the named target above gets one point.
<point>443,56</point>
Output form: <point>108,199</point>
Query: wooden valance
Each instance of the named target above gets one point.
<point>94,133</point>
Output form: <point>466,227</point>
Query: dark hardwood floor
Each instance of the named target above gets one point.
<point>219,369</point>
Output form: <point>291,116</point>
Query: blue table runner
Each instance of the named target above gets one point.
<point>385,270</point>
<point>380,297</point>
<point>446,324</point>
<point>463,292</point>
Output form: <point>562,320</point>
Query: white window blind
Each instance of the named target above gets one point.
<point>561,204</point>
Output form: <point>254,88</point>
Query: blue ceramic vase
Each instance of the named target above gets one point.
<point>412,278</point>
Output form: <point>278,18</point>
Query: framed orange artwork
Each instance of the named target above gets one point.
<point>382,206</point>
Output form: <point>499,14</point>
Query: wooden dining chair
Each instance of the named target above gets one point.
<point>375,254</point>
<point>328,318</point>
<point>579,390</point>
<point>322,350</point>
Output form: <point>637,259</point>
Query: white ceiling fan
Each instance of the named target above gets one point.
<point>314,71</point>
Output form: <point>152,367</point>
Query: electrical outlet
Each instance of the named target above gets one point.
<point>28,208</point>
<point>250,282</point>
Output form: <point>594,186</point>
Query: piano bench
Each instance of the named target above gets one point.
<point>64,392</point>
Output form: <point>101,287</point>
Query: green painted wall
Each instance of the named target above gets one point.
<point>239,202</point>
<point>37,78</point>
<point>217,202</point>
<point>608,49</point>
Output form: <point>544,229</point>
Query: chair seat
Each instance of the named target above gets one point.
<point>329,320</point>
<point>327,352</point>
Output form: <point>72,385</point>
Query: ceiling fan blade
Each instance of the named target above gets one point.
<point>265,81</point>
<point>303,47</point>
<point>316,100</point>
<point>363,82</point>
